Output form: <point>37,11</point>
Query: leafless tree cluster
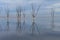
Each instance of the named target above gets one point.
<point>34,14</point>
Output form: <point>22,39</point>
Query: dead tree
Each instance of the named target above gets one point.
<point>0,28</point>
<point>34,25</point>
<point>52,18</point>
<point>0,25</point>
<point>24,20</point>
<point>19,19</point>
<point>7,20</point>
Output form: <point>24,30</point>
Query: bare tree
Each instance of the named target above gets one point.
<point>19,10</point>
<point>7,19</point>
<point>0,25</point>
<point>52,18</point>
<point>34,14</point>
<point>24,19</point>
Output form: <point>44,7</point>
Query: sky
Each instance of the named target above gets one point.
<point>13,4</point>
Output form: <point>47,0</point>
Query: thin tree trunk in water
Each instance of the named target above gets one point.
<point>52,21</point>
<point>7,20</point>
<point>19,20</point>
<point>34,25</point>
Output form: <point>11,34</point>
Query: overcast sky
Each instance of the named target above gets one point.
<point>12,4</point>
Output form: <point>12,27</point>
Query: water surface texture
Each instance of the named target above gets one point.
<point>29,19</point>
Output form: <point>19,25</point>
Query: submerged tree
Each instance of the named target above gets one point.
<point>24,19</point>
<point>52,18</point>
<point>7,19</point>
<point>0,25</point>
<point>34,25</point>
<point>19,10</point>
